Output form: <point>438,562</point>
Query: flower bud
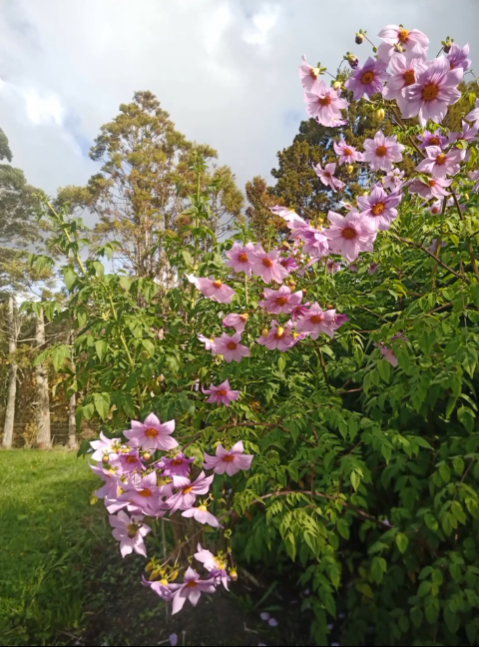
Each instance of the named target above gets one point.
<point>105,459</point>
<point>359,38</point>
<point>466,195</point>
<point>350,169</point>
<point>147,456</point>
<point>234,574</point>
<point>447,44</point>
<point>265,332</point>
<point>292,284</point>
<point>353,61</point>
<point>379,115</point>
<point>337,85</point>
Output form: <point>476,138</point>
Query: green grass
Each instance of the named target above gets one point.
<point>50,538</point>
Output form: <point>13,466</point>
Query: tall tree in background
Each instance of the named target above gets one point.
<point>142,188</point>
<point>18,229</point>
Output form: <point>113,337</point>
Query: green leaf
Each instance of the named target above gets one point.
<point>187,257</point>
<point>282,363</point>
<point>70,277</point>
<point>402,542</point>
<point>445,472</point>
<point>125,283</point>
<point>432,609</point>
<point>424,589</point>
<point>365,589</point>
<point>102,404</point>
<point>355,480</point>
<point>149,346</point>
<point>343,528</point>
<point>384,370</point>
<point>459,465</point>
<point>101,347</point>
<point>466,417</point>
<point>416,617</point>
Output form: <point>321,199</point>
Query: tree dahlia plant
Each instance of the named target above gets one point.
<point>340,351</point>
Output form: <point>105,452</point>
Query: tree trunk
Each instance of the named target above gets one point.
<point>44,440</point>
<point>12,376</point>
<point>72,427</point>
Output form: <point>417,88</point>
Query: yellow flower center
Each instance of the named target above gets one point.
<point>151,433</point>
<point>243,258</point>
<point>316,319</point>
<point>131,459</point>
<point>177,461</point>
<point>228,459</point>
<point>192,584</point>
<point>348,152</point>
<point>432,183</point>
<point>280,333</point>
<point>410,77</point>
<point>430,92</point>
<point>231,345</point>
<point>203,508</point>
<point>403,35</point>
<point>217,284</point>
<point>222,392</point>
<point>378,208</point>
<point>188,489</point>
<point>146,493</point>
<point>367,78</point>
<point>267,262</point>
<point>164,582</point>
<point>441,159</point>
<point>325,101</point>
<point>381,151</point>
<point>349,233</point>
<point>434,141</point>
<point>281,301</point>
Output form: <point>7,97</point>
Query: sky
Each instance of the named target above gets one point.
<point>225,70</point>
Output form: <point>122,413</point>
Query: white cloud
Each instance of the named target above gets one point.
<point>263,23</point>
<point>225,70</point>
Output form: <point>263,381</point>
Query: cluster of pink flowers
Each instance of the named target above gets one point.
<point>147,476</point>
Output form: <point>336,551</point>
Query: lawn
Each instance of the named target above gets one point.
<point>49,532</point>
<point>63,581</point>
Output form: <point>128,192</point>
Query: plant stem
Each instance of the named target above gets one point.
<point>469,242</point>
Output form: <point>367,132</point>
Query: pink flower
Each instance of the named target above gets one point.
<point>433,188</point>
<point>317,321</point>
<point>215,290</point>
<point>280,301</point>
<point>222,394</point>
<point>214,565</point>
<point>439,163</point>
<point>309,76</point>
<point>407,38</point>
<point>435,90</point>
<point>241,258</point>
<point>162,588</point>
<point>141,494</point>
<point>433,139</point>
<point>380,207</point>
<point>468,134</point>
<point>191,590</point>
<point>187,492</point>
<point>435,244</point>
<point>130,532</point>
<point>152,434</point>
<point>382,151</point>
<point>104,447</point>
<point>394,180</point>
<point>474,114</point>
<point>110,489</point>
<point>201,515</point>
<point>347,154</point>
<point>209,343</point>
<point>127,462</point>
<point>327,176</point>
<point>351,234</point>
<point>238,322</point>
<point>290,264</point>
<point>279,337</point>
<point>458,57</point>
<point>404,73</point>
<point>180,465</point>
<point>325,104</point>
<point>333,267</point>
<point>388,354</point>
<point>299,311</point>
<point>367,79</point>
<point>474,175</point>
<point>230,347</point>
<point>436,207</point>
<point>267,265</point>
<point>229,462</point>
